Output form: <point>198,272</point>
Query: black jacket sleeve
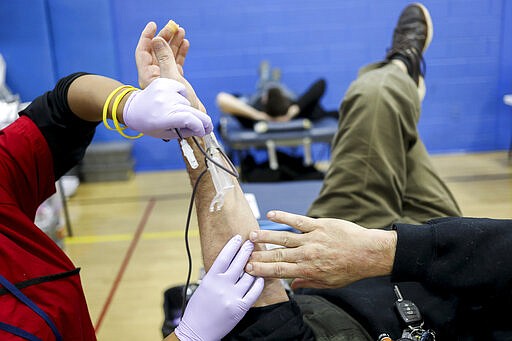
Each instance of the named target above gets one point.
<point>465,256</point>
<point>66,134</point>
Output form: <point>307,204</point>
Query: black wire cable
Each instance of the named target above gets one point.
<point>187,244</point>
<point>233,170</point>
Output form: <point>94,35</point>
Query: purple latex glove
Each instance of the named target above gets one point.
<point>224,296</point>
<point>161,107</point>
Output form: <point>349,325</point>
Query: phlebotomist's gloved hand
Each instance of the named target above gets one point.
<point>161,108</point>
<point>224,296</point>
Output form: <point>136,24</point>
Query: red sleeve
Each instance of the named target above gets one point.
<point>26,253</point>
<point>26,167</point>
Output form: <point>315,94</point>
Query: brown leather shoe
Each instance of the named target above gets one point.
<point>413,34</point>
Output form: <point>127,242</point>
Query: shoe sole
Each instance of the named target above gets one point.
<point>430,26</point>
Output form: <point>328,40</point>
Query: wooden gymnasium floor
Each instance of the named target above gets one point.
<point>128,237</point>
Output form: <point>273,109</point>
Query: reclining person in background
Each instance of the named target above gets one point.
<point>457,269</point>
<point>275,109</point>
<point>273,101</point>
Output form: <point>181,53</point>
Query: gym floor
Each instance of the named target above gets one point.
<point>128,237</point>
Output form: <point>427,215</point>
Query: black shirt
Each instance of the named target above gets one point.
<point>67,135</point>
<point>458,271</point>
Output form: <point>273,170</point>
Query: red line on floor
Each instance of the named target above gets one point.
<point>125,263</point>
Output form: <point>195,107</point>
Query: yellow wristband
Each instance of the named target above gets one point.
<point>114,114</point>
<point>107,104</point>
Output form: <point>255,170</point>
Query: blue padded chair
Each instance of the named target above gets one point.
<point>269,135</point>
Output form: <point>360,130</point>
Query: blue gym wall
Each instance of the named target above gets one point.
<point>469,64</point>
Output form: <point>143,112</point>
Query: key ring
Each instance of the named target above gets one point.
<point>416,332</point>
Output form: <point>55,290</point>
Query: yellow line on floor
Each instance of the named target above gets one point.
<point>109,238</point>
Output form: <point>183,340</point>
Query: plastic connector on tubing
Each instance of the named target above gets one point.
<point>222,181</point>
<point>189,154</point>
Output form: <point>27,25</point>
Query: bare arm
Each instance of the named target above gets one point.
<point>215,228</point>
<point>235,217</point>
<point>229,104</point>
<point>88,93</point>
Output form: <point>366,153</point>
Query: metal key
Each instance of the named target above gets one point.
<point>407,310</point>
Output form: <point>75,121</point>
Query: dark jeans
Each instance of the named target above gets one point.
<point>281,321</point>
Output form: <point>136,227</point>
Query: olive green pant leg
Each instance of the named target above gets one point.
<point>372,154</point>
<point>426,195</point>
